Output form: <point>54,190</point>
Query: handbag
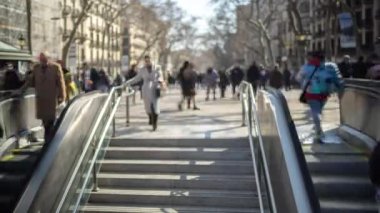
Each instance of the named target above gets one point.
<point>302,97</point>
<point>158,92</point>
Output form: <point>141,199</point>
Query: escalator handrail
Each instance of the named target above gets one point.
<point>45,160</point>
<point>90,141</point>
<point>298,156</point>
<point>248,101</point>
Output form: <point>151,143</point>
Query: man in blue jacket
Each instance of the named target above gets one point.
<point>324,80</point>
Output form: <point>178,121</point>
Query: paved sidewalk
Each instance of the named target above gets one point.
<point>216,119</point>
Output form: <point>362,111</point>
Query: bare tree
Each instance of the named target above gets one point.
<point>110,16</point>
<point>77,20</point>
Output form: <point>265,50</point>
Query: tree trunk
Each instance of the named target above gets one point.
<point>29,23</point>
<point>70,39</point>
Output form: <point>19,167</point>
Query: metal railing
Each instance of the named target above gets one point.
<point>260,165</point>
<point>84,175</point>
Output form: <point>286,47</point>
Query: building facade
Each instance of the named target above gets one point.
<point>144,34</point>
<point>46,36</point>
<point>97,39</point>
<point>365,33</point>
<point>13,22</point>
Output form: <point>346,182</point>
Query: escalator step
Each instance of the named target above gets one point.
<point>30,150</point>
<point>17,163</point>
<point>11,184</point>
<point>6,203</point>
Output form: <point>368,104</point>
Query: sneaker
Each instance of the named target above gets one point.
<point>196,108</point>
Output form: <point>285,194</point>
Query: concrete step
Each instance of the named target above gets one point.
<point>127,142</point>
<point>96,208</point>
<point>170,181</point>
<point>176,197</point>
<point>343,187</point>
<point>353,165</point>
<point>352,206</point>
<point>177,166</point>
<point>186,153</point>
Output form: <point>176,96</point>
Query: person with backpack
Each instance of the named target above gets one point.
<point>318,81</point>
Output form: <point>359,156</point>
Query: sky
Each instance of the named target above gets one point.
<point>198,8</point>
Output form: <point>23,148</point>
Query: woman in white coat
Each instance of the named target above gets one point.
<point>153,83</point>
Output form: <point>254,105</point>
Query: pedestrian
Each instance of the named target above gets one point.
<point>287,78</point>
<point>103,82</point>
<point>374,71</point>
<point>12,80</point>
<point>223,83</point>
<point>71,87</point>
<point>188,79</point>
<point>89,78</point>
<point>319,80</point>
<point>151,89</point>
<point>360,68</point>
<point>263,77</point>
<point>253,76</point>
<point>236,77</point>
<point>345,67</point>
<point>276,78</point>
<point>211,81</point>
<point>47,79</point>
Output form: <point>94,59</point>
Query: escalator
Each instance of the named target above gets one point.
<point>317,177</point>
<point>23,160</point>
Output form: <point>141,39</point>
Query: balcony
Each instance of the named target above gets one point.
<point>368,2</point>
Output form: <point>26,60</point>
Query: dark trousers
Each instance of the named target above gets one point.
<point>48,126</point>
<point>222,91</point>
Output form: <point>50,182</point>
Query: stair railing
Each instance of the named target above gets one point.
<point>260,165</point>
<point>84,176</point>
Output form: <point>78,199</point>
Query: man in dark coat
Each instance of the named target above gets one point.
<point>223,83</point>
<point>253,75</point>
<point>345,67</point>
<point>275,79</point>
<point>89,78</point>
<point>287,78</point>
<point>236,77</point>
<point>360,68</point>
<point>12,80</point>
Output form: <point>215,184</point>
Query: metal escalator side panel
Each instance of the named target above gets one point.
<point>50,176</point>
<point>291,181</point>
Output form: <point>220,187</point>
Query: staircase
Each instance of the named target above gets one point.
<point>340,177</point>
<point>175,175</point>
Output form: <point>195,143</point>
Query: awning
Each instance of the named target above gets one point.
<point>11,53</point>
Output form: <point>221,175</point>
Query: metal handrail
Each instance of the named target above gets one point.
<point>113,100</point>
<point>257,148</point>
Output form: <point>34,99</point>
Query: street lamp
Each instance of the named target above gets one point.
<point>21,41</point>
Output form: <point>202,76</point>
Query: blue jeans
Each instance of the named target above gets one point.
<point>316,108</point>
